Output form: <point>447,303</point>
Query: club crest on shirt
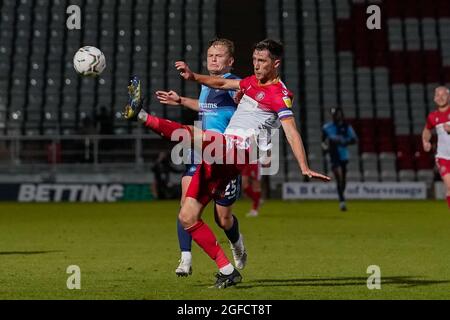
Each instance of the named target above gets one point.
<point>260,95</point>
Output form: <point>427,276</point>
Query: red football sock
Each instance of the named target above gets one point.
<point>448,201</point>
<point>254,195</point>
<point>165,127</point>
<point>256,200</point>
<point>205,238</point>
<point>249,192</point>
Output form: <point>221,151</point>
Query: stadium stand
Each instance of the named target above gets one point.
<point>42,96</point>
<point>383,79</point>
<point>41,93</point>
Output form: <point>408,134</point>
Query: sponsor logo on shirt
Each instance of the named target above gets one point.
<point>205,106</point>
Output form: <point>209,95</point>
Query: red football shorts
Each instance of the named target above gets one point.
<point>211,179</point>
<point>443,166</point>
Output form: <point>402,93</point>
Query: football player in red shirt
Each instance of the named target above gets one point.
<point>440,120</point>
<point>266,104</point>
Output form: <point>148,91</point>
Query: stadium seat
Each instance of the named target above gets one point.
<point>426,175</point>
<point>354,176</point>
<point>407,175</point>
<point>388,176</point>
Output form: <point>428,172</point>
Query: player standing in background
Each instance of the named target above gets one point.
<point>440,120</point>
<point>336,136</point>
<point>265,101</point>
<point>215,109</point>
<point>251,184</point>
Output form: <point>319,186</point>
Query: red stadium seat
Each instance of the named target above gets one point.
<point>385,135</point>
<point>405,161</point>
<point>424,160</point>
<point>379,38</point>
<point>446,74</point>
<point>415,66</point>
<point>443,9</point>
<point>409,8</point>
<point>392,9</point>
<point>367,135</point>
<point>385,145</point>
<point>433,61</point>
<point>404,143</point>
<point>427,8</point>
<point>397,66</point>
<point>343,41</point>
<point>405,154</point>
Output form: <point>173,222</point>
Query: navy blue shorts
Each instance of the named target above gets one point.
<point>232,192</point>
<point>190,170</point>
<point>336,163</point>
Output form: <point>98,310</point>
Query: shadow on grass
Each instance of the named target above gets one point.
<point>25,253</point>
<point>402,281</point>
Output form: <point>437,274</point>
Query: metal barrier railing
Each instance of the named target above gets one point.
<point>65,151</point>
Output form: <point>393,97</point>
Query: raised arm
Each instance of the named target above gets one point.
<point>209,81</point>
<point>174,99</point>
<point>296,143</point>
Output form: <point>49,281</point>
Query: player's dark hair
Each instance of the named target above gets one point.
<point>335,110</point>
<point>275,48</point>
<point>223,42</point>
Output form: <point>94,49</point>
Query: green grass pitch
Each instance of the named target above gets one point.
<point>297,250</point>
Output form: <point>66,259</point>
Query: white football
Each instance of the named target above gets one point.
<point>89,61</point>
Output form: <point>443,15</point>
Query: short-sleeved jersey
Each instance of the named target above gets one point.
<point>344,132</point>
<point>216,107</point>
<point>260,108</point>
<point>436,120</point>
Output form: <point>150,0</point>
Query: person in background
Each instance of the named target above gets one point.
<point>337,135</point>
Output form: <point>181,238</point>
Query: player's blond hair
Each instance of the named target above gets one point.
<point>223,42</point>
<point>443,88</point>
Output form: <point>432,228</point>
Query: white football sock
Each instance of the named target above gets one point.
<point>227,270</point>
<point>142,116</point>
<point>186,256</point>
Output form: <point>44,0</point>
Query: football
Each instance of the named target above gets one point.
<point>89,61</point>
